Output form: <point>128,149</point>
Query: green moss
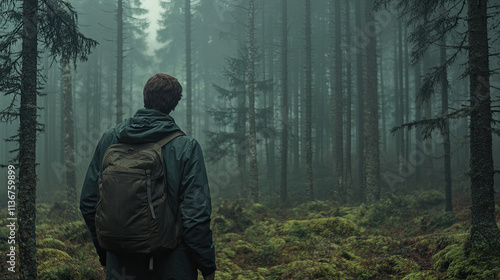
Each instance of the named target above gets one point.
<point>327,227</point>
<point>437,220</point>
<point>314,206</point>
<point>390,211</point>
<point>51,242</point>
<point>422,275</point>
<point>256,209</point>
<point>372,244</point>
<point>458,263</point>
<point>243,247</point>
<point>229,217</point>
<point>270,252</point>
<point>430,198</point>
<point>51,253</point>
<point>308,269</point>
<point>58,272</point>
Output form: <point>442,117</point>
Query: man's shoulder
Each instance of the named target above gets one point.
<point>184,141</point>
<point>184,144</point>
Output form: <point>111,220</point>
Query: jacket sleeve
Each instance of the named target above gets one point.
<point>89,197</point>
<point>195,207</point>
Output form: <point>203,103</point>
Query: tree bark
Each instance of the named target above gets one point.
<point>427,106</point>
<point>399,95</point>
<point>485,235</point>
<point>284,102</point>
<point>445,132</point>
<point>338,120</point>
<point>69,142</point>
<point>252,141</point>
<point>189,105</point>
<point>119,62</point>
<point>418,115</point>
<point>308,113</point>
<point>348,136</point>
<point>27,143</point>
<point>360,110</point>
<point>371,131</point>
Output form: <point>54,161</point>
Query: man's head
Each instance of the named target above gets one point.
<point>162,92</point>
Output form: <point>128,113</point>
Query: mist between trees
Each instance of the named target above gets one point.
<point>216,84</point>
<point>291,100</point>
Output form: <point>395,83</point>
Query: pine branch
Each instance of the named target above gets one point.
<point>429,125</point>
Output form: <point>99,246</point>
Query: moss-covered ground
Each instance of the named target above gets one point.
<point>402,237</point>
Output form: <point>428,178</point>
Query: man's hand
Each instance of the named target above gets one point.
<point>210,277</point>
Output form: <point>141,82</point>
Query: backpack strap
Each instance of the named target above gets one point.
<point>168,138</point>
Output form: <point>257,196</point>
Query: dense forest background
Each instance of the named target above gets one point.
<point>214,108</point>
<point>353,102</point>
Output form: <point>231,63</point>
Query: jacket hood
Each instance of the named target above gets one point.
<point>147,125</point>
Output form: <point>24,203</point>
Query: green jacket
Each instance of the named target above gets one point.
<point>186,178</point>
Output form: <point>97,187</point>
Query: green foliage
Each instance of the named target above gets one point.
<point>230,218</point>
<point>428,199</point>
<point>459,263</point>
<point>321,241</point>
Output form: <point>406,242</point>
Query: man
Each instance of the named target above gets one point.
<point>187,190</point>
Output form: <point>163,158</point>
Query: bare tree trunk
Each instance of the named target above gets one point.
<point>27,143</point>
<point>240,129</point>
<point>485,235</point>
<point>371,131</point>
<point>445,132</point>
<point>360,110</point>
<point>284,102</point>
<point>397,107</point>
<point>427,143</point>
<point>399,95</point>
<point>348,139</point>
<point>69,135</point>
<point>382,105</point>
<point>337,104</point>
<point>252,141</point>
<point>418,115</point>
<point>189,105</point>
<point>308,122</point>
<point>406,102</point>
<point>119,62</point>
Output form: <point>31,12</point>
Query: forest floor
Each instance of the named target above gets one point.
<point>402,237</point>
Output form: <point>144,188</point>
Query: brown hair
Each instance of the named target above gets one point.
<point>162,92</point>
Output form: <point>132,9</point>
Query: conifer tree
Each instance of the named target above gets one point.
<point>54,23</point>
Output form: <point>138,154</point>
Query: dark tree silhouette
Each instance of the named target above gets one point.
<point>54,22</point>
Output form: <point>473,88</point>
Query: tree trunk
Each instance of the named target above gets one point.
<point>382,105</point>
<point>445,132</point>
<point>27,143</point>
<point>406,102</point>
<point>397,134</point>
<point>348,172</point>
<point>485,235</point>
<point>371,131</point>
<point>240,130</point>
<point>360,110</point>
<point>308,122</point>
<point>252,141</point>
<point>69,142</point>
<point>189,105</point>
<point>427,143</point>
<point>338,122</point>
<point>284,102</point>
<point>119,63</point>
<point>418,115</point>
<point>399,95</point>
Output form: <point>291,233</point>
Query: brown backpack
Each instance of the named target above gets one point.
<point>132,213</point>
